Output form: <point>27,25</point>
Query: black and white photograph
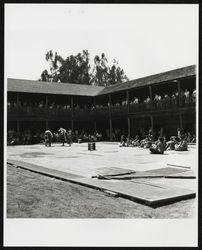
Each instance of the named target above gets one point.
<point>101,125</point>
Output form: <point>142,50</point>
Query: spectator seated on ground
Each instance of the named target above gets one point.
<point>28,137</point>
<point>56,137</point>
<point>171,144</point>
<point>193,139</point>
<point>123,141</point>
<point>146,143</point>
<point>159,147</point>
<point>136,142</point>
<point>129,142</point>
<point>79,140</point>
<point>92,138</point>
<point>36,137</point>
<point>189,137</point>
<point>85,137</point>
<point>99,136</point>
<point>14,141</point>
<point>13,137</point>
<point>182,146</point>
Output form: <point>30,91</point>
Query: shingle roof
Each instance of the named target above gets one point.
<point>152,79</point>
<point>29,86</point>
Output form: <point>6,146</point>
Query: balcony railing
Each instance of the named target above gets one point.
<point>83,113</point>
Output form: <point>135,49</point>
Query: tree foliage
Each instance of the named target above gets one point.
<point>77,69</point>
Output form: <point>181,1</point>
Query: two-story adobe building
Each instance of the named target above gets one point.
<point>161,102</point>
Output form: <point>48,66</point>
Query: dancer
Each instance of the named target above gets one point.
<point>63,135</point>
<point>48,138</point>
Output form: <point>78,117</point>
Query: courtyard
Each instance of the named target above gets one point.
<point>76,165</point>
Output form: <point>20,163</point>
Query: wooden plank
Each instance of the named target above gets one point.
<point>179,166</point>
<point>144,192</point>
<point>43,170</point>
<point>184,175</point>
<point>154,173</point>
<point>112,171</point>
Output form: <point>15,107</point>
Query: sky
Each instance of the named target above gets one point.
<point>144,38</point>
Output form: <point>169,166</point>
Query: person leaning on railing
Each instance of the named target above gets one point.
<point>193,96</point>
<point>187,96</point>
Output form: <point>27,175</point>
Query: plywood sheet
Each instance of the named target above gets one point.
<point>149,194</point>
<point>43,170</point>
<point>154,173</point>
<point>186,175</point>
<point>113,171</point>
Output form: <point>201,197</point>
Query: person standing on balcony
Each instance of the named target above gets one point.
<point>177,98</point>
<point>9,104</point>
<point>147,102</point>
<point>182,96</point>
<point>159,102</point>
<point>156,99</point>
<point>136,100</point>
<point>173,100</point>
<point>187,96</point>
<point>193,96</point>
<point>166,100</point>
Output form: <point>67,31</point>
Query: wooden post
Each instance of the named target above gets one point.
<point>72,109</point>
<point>109,105</point>
<point>46,109</point>
<point>127,98</point>
<point>150,95</point>
<point>94,101</point>
<point>46,124</point>
<point>17,102</point>
<point>72,105</point>
<point>152,124</point>
<point>95,126</point>
<point>18,126</point>
<point>18,123</point>
<point>179,92</point>
<point>128,127</point>
<point>180,118</point>
<point>46,105</point>
<point>110,129</point>
<point>72,124</point>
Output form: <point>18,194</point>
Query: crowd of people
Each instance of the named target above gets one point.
<point>158,102</point>
<point>163,100</point>
<point>177,143</point>
<point>27,137</point>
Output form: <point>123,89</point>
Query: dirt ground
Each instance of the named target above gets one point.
<point>32,195</point>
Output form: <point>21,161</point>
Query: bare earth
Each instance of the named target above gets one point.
<point>31,195</point>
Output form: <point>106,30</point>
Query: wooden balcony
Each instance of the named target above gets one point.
<point>96,113</point>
